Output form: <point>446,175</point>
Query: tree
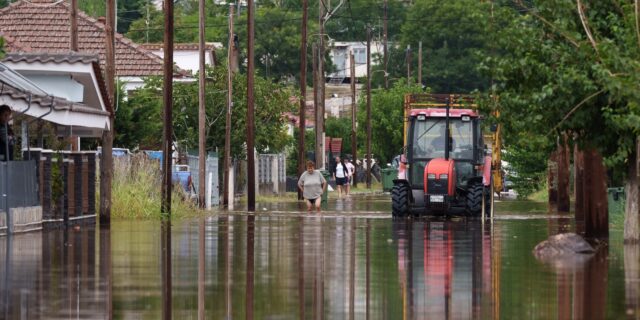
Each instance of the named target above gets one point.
<point>387,114</point>
<point>574,69</point>
<point>139,118</point>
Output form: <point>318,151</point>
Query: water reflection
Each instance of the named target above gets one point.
<point>309,267</point>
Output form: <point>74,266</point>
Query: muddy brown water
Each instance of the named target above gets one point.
<point>351,262</point>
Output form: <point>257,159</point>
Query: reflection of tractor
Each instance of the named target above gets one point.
<point>444,168</point>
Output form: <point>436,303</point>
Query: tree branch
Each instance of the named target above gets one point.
<point>549,24</point>
<point>574,110</point>
<point>585,25</point>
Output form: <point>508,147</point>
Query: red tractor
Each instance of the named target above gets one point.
<point>445,168</point>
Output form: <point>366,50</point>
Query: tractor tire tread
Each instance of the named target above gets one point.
<point>400,200</point>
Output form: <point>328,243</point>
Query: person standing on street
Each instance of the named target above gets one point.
<point>351,169</point>
<point>312,184</point>
<point>341,175</point>
<point>7,138</point>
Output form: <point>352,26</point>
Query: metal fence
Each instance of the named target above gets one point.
<point>212,193</point>
<point>21,187</point>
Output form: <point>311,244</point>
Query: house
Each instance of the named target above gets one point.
<point>339,53</point>
<point>43,26</point>
<point>187,55</point>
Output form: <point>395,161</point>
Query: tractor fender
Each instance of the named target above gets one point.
<point>486,171</point>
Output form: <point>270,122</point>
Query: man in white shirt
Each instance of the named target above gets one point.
<point>341,175</point>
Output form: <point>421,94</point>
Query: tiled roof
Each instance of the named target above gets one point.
<point>43,26</point>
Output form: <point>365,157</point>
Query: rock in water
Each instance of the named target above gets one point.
<point>565,251</point>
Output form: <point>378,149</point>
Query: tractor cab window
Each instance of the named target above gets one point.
<point>462,135</point>
<point>430,138</point>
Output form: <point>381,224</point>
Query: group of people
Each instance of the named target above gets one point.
<point>313,184</point>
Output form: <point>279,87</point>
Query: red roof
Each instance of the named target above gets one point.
<point>333,144</point>
<point>43,26</point>
<point>441,112</point>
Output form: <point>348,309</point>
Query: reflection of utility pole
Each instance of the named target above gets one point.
<point>231,49</point>
<point>368,107</point>
<point>303,93</point>
<point>354,136</point>
<point>386,57</point>
<point>202,144</point>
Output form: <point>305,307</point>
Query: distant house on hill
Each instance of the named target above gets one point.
<point>187,55</point>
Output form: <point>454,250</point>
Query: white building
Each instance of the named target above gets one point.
<point>186,55</point>
<point>339,53</point>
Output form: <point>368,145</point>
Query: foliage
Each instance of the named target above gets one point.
<point>292,151</point>
<point>454,39</point>
<point>139,120</point>
<point>136,190</point>
<point>551,78</point>
<point>2,52</point>
<point>387,114</point>
<point>340,128</point>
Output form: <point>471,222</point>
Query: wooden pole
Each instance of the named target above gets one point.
<point>408,64</point>
<point>73,45</point>
<point>202,139</point>
<point>251,169</point>
<point>321,95</point>
<point>303,92</point>
<point>315,97</point>
<point>227,133</point>
<point>168,106</point>
<point>420,63</point>
<point>368,107</point>
<point>354,114</point>
<point>564,200</point>
<point>106,165</point>
<point>386,56</point>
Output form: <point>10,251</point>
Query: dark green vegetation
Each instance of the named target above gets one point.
<point>139,118</point>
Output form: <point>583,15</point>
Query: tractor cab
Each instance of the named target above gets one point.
<point>444,168</point>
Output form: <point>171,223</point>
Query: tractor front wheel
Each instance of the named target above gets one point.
<point>400,200</point>
<point>474,199</point>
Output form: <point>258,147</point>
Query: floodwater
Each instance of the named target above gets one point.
<point>351,262</point>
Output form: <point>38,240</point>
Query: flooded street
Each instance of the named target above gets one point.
<point>351,262</point>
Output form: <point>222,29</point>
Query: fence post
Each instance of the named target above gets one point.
<point>91,183</point>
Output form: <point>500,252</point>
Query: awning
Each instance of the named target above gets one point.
<point>24,97</point>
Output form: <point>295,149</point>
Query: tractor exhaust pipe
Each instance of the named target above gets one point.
<point>446,134</point>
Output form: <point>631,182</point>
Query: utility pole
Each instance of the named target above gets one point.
<point>227,133</point>
<point>106,165</point>
<point>251,169</point>
<point>168,106</point>
<point>320,88</point>
<point>368,107</point>
<point>303,92</point>
<point>315,95</point>
<point>354,136</point>
<point>408,64</point>
<point>73,45</point>
<point>384,42</point>
<point>420,63</point>
<point>202,139</point>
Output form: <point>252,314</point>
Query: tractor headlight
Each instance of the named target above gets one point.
<point>431,176</point>
<point>444,176</point>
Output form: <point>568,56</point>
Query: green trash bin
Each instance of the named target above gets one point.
<point>388,175</point>
<point>616,200</point>
<point>325,194</point>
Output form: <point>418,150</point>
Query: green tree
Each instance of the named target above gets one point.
<point>387,114</point>
<point>139,119</point>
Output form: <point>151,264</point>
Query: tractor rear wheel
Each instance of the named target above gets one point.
<point>400,200</point>
<point>474,199</point>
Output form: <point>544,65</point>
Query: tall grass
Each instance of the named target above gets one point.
<point>136,191</point>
